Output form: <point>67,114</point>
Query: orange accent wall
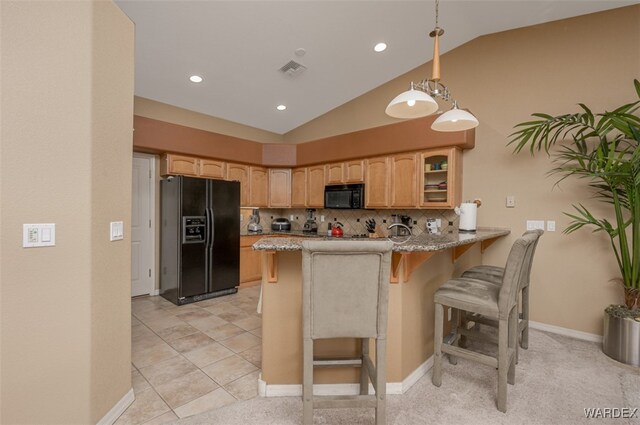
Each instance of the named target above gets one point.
<point>278,154</point>
<point>157,136</point>
<point>411,135</point>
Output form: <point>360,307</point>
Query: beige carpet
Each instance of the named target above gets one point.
<point>556,379</point>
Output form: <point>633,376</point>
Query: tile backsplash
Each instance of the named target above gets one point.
<point>353,220</point>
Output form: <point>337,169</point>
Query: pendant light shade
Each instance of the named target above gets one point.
<point>411,104</point>
<point>455,119</point>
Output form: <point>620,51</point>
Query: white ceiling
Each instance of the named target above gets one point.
<point>238,47</point>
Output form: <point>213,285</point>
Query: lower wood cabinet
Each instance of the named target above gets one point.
<point>250,261</point>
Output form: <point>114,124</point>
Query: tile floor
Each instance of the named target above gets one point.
<point>193,358</point>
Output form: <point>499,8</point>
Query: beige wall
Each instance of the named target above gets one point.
<point>175,115</point>
<point>67,89</point>
<point>111,170</point>
<point>503,78</point>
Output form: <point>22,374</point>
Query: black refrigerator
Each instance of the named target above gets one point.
<point>200,239</point>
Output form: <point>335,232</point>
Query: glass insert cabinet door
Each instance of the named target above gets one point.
<point>441,178</point>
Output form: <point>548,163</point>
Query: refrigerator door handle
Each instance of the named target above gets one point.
<point>207,221</point>
<point>213,228</point>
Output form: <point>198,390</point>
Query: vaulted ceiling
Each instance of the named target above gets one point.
<point>238,47</point>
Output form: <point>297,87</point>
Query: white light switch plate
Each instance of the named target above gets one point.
<point>38,235</point>
<point>551,226</point>
<point>117,231</point>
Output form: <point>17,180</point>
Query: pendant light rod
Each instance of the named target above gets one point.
<point>435,34</point>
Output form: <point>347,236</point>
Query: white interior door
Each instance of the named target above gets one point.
<point>142,244</point>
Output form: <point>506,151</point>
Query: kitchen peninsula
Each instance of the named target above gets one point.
<point>419,266</point>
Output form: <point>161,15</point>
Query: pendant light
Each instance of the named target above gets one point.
<point>419,101</point>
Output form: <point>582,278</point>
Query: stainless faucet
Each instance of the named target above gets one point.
<point>400,225</point>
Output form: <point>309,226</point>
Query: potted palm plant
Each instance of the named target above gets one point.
<point>603,150</point>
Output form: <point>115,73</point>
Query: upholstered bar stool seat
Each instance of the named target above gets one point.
<point>345,294</point>
<point>470,295</point>
<point>496,302</point>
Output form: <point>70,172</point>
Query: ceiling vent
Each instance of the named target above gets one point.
<point>293,68</point>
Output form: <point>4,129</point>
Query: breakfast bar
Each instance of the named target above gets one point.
<point>420,265</point>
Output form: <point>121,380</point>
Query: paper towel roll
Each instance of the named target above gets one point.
<point>468,216</point>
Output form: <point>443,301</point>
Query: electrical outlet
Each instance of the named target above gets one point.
<point>551,226</point>
<point>291,217</point>
<point>322,219</point>
<point>535,224</point>
<point>511,201</point>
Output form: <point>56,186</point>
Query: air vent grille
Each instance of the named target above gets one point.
<point>293,68</point>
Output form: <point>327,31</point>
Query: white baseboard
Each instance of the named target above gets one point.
<point>154,292</point>
<point>295,390</point>
<point>585,336</point>
<point>118,409</point>
<point>416,375</point>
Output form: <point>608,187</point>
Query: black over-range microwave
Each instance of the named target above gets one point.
<point>344,196</point>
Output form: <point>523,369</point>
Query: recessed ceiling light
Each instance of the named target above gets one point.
<point>281,107</point>
<point>195,79</point>
<point>380,47</point>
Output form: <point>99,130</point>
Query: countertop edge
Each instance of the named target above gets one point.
<point>419,243</point>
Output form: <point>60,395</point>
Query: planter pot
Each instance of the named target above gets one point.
<point>621,339</point>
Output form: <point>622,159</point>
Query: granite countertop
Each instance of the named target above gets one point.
<point>423,242</point>
<point>283,233</point>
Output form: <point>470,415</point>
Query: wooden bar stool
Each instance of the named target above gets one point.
<point>497,302</point>
<point>345,294</point>
<point>494,275</point>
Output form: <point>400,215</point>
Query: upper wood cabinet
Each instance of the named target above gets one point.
<point>440,177</point>
<point>279,187</point>
<point>354,171</point>
<point>333,173</point>
<point>345,172</point>
<point>315,186</point>
<point>258,187</point>
<point>403,176</point>
<point>239,172</point>
<point>376,180</point>
<point>427,179</point>
<point>211,169</point>
<point>171,164</point>
<point>299,187</point>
